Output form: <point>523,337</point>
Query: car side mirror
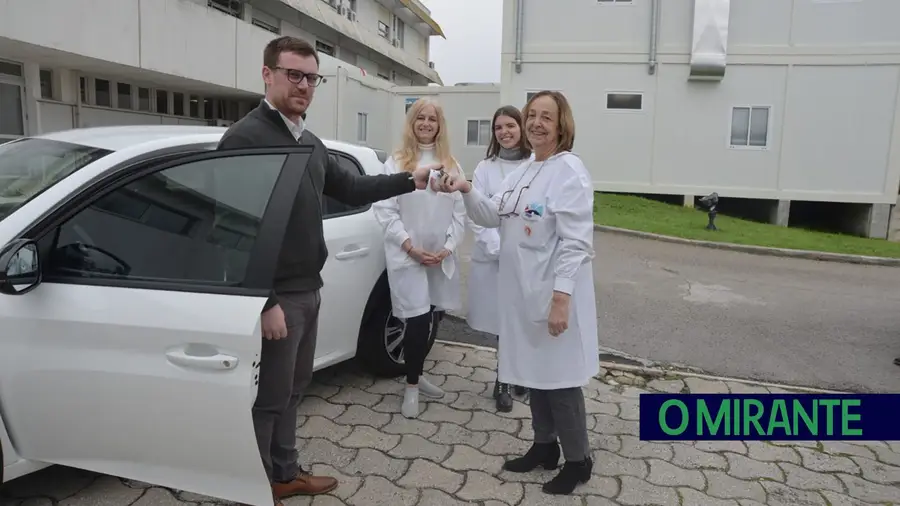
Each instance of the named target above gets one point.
<point>20,269</point>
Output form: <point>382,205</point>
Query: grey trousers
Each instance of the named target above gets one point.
<point>560,415</point>
<point>285,371</point>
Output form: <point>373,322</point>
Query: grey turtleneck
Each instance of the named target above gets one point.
<point>510,154</point>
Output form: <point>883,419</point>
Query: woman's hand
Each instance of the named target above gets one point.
<point>450,183</point>
<point>559,314</point>
<point>422,256</point>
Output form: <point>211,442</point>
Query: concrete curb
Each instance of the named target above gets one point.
<point>652,371</point>
<point>758,250</point>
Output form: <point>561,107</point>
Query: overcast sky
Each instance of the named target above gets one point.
<point>471,52</point>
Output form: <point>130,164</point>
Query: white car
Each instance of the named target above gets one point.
<point>135,262</point>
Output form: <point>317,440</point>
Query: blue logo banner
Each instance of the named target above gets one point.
<point>770,417</point>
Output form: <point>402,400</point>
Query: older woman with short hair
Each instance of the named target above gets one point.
<point>548,321</point>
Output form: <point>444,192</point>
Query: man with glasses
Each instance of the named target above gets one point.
<point>290,316</point>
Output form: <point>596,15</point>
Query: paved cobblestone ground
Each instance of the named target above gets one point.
<point>452,455</point>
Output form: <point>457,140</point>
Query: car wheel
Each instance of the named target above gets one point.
<point>380,347</point>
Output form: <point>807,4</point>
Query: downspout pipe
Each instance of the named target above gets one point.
<point>654,35</point>
<point>520,28</point>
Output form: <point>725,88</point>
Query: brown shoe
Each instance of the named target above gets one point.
<point>305,484</point>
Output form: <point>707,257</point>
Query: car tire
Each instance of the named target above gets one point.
<point>380,329</point>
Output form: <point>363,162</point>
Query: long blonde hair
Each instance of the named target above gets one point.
<point>408,153</point>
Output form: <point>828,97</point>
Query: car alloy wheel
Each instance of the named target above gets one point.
<point>394,332</point>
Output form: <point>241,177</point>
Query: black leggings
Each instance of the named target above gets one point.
<point>415,346</point>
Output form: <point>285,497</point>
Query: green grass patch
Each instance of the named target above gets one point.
<point>636,213</point>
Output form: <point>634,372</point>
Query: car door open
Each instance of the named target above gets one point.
<point>137,352</point>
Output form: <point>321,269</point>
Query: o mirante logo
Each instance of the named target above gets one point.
<point>769,417</point>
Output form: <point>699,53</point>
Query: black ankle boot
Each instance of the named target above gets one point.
<point>571,475</point>
<point>504,398</point>
<point>545,455</point>
<point>520,390</point>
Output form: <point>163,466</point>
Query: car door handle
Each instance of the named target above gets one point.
<point>184,357</point>
<point>352,252</point>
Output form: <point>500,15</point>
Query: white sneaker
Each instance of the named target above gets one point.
<point>428,389</point>
<point>410,407</point>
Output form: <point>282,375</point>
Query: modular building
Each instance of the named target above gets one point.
<point>789,102</point>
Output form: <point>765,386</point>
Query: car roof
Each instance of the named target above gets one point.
<point>115,138</point>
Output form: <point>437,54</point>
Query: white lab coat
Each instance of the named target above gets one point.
<point>432,221</point>
<point>547,247</point>
<point>482,299</point>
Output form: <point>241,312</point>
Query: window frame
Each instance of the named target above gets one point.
<point>384,30</point>
<point>356,210</point>
<point>490,132</point>
<point>623,110</point>
<point>325,47</point>
<point>748,147</point>
<point>362,120</point>
<point>263,255</point>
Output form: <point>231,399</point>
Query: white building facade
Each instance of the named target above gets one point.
<point>758,99</point>
<point>87,63</point>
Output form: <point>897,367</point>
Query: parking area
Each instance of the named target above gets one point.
<point>452,454</point>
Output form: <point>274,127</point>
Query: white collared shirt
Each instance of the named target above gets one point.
<point>295,128</point>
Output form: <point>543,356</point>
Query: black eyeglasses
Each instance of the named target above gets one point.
<point>296,76</point>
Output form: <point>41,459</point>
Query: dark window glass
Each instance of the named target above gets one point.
<point>332,206</point>
<point>192,223</point>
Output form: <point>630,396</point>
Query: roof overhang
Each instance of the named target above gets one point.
<point>425,18</point>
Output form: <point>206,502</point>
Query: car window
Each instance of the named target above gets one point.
<point>332,206</point>
<point>195,222</point>
<point>30,166</point>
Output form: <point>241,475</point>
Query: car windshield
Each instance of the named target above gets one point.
<point>30,166</point>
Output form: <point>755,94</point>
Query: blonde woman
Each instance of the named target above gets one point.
<point>422,230</point>
<point>548,322</point>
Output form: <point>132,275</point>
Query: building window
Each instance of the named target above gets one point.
<point>399,31</point>
<point>208,108</point>
<point>144,99</point>
<point>625,101</point>
<point>750,126</point>
<point>362,127</point>
<point>266,21</point>
<point>265,26</point>
<point>12,120</point>
<point>123,90</point>
<point>46,84</point>
<point>478,132</point>
<point>102,95</point>
<point>195,106</point>
<point>178,104</point>
<point>384,30</point>
<point>13,69</point>
<point>324,48</point>
<point>230,7</point>
<point>162,102</point>
<point>83,89</point>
